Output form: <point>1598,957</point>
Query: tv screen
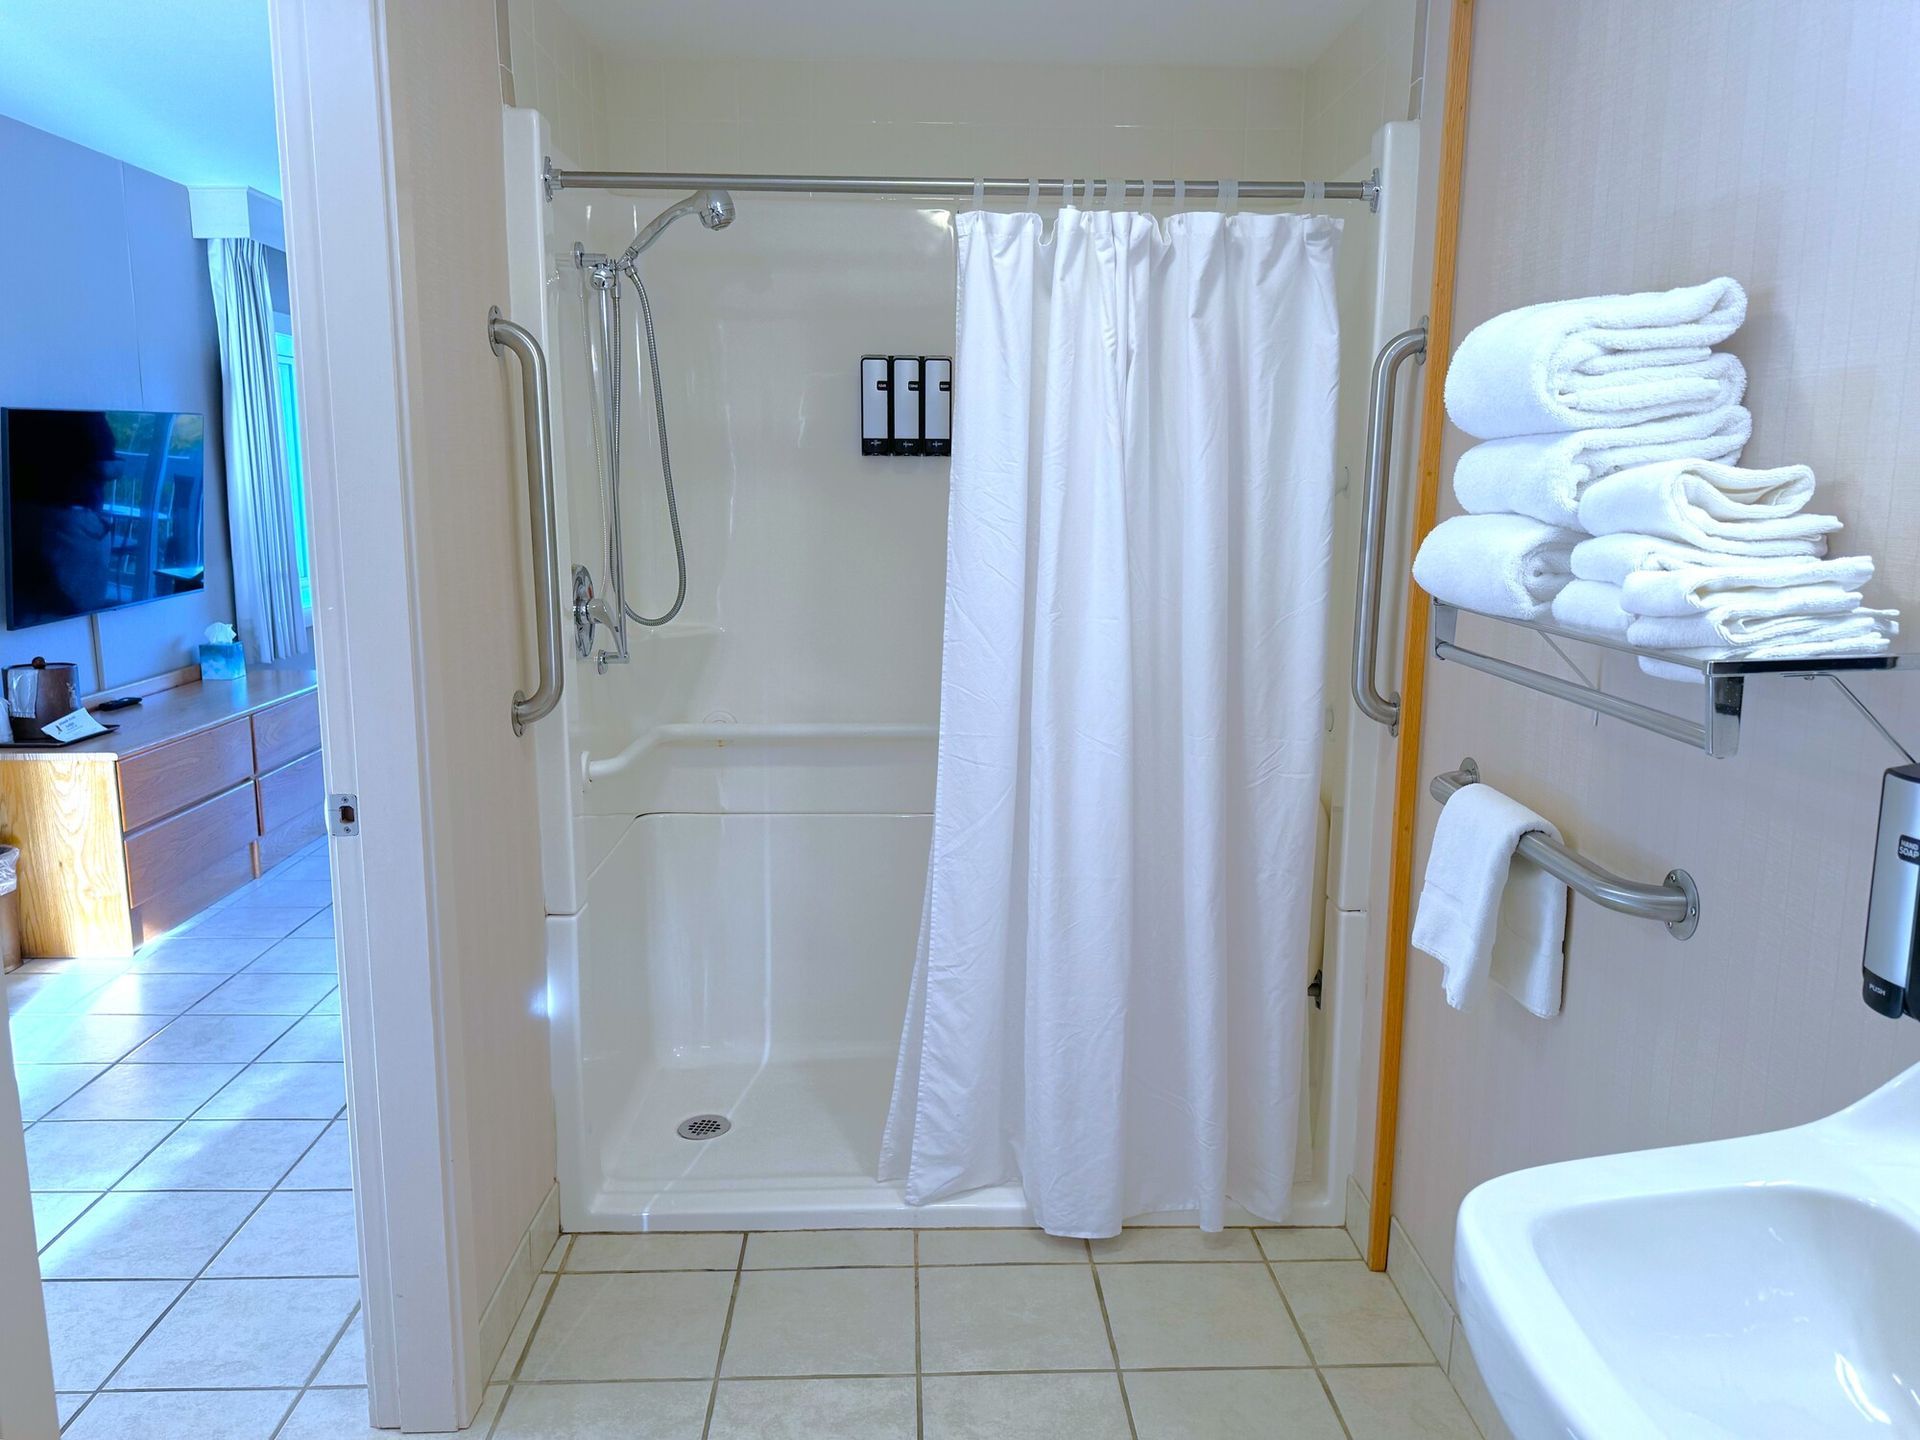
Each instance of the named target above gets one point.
<point>104,508</point>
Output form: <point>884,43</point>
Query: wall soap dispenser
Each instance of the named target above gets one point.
<point>1893,907</point>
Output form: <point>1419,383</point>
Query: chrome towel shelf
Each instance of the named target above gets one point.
<point>1675,902</point>
<point>1723,681</point>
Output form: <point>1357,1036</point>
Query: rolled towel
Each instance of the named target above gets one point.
<point>1508,565</point>
<point>1614,557</point>
<point>1709,506</point>
<point>1544,475</point>
<point>1753,587</point>
<point>1757,634</point>
<point>1592,605</point>
<point>1485,911</point>
<point>1604,360</point>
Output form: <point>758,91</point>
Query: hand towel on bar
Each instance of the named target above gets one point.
<point>1485,911</point>
<point>1592,605</point>
<point>1508,565</point>
<point>1864,642</point>
<point>1544,475</point>
<point>1752,635</point>
<point>1703,504</point>
<point>1604,360</point>
<point>1753,587</point>
<point>1614,557</point>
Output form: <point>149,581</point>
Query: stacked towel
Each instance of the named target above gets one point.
<point>1614,417</point>
<point>1510,565</point>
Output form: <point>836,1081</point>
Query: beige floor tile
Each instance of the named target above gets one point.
<point>1011,1317</point>
<point>1231,1405</point>
<point>662,1326</point>
<point>822,1322</point>
<point>1350,1315</point>
<point>810,1249</point>
<point>1402,1403</point>
<point>1319,1242</point>
<point>812,1409</point>
<point>656,1411</point>
<point>1023,1407</point>
<point>516,1345</point>
<point>999,1247</point>
<point>719,1251</point>
<point>173,1414</point>
<point>1182,1315</point>
<point>342,1415</point>
<point>1170,1242</point>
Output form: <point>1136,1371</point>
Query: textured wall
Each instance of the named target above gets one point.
<point>108,306</point>
<point>1633,144</point>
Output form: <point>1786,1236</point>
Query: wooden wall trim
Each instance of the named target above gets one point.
<point>1413,668</point>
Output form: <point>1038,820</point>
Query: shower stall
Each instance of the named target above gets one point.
<point>735,813</point>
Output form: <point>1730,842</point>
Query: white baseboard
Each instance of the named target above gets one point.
<point>509,1296</point>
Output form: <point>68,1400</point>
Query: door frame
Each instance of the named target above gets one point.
<point>27,1407</point>
<point>343,261</point>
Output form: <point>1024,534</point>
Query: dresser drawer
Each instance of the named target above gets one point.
<point>292,793</point>
<point>169,855</point>
<point>170,777</point>
<point>285,732</point>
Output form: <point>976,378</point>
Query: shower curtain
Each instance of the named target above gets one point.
<point>1108,1003</point>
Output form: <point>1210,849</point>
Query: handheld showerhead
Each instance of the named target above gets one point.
<point>714,207</point>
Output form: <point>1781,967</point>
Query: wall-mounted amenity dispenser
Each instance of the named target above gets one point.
<point>1893,908</point>
<point>906,405</point>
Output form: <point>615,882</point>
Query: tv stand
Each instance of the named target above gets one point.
<point>201,789</point>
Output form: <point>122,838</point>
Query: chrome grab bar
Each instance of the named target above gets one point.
<point>1373,524</point>
<point>538,431</point>
<point>1675,903</point>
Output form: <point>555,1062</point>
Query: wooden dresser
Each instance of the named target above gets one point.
<point>201,789</point>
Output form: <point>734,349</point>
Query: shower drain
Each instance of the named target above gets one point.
<point>702,1127</point>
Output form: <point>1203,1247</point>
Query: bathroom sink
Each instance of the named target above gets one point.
<point>1762,1287</point>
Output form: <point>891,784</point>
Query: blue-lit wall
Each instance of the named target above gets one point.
<point>105,304</point>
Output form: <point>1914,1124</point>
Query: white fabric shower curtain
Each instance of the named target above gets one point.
<point>266,565</point>
<point>1108,1004</point>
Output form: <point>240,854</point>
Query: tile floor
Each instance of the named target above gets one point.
<point>187,1145</point>
<point>968,1335</point>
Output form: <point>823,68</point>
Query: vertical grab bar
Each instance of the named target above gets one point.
<point>538,429</point>
<point>1373,517</point>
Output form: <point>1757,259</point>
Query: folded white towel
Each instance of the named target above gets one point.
<point>1756,634</point>
<point>1544,475</point>
<point>1507,565</point>
<point>1592,605</point>
<point>1862,642</point>
<point>1603,360</point>
<point>1663,587</point>
<point>1614,557</point>
<point>1485,911</point>
<point>1710,506</point>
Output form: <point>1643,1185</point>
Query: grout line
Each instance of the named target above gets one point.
<point>726,1332</point>
<point>1106,1320</point>
<point>919,1359</point>
<point>539,1319</point>
<point>314,1373</point>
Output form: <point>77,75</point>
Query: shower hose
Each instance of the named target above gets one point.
<point>666,457</point>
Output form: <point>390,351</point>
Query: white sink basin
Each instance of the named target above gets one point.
<point>1746,1289</point>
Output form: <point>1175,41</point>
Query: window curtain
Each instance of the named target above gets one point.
<point>1109,1000</point>
<point>260,521</point>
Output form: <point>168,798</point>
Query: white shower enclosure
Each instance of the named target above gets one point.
<point>735,823</point>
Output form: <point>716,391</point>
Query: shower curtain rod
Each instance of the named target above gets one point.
<point>942,186</point>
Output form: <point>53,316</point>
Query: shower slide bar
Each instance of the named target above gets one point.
<point>944,187</point>
<point>537,430</point>
<point>661,736</point>
<point>1675,903</point>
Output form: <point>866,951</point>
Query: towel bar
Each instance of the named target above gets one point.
<point>1675,903</point>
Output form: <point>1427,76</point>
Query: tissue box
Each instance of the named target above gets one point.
<point>222,661</point>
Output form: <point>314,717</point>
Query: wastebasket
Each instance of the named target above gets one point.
<point>9,908</point>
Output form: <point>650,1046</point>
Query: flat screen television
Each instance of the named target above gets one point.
<point>104,508</point>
